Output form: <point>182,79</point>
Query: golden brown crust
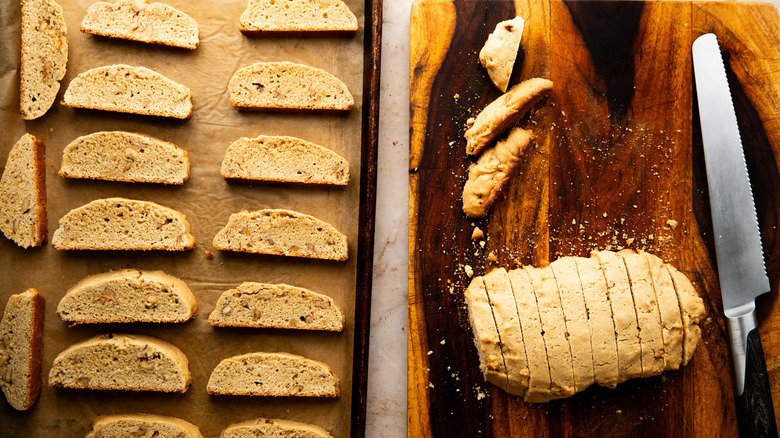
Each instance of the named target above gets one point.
<point>36,348</point>
<point>40,177</point>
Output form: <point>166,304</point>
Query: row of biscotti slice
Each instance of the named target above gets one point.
<point>548,333</point>
<point>150,364</point>
<point>123,425</point>
<point>131,295</point>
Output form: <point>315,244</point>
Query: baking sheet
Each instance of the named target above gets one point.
<point>207,200</point>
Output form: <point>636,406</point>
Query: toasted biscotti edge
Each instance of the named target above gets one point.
<point>189,429</point>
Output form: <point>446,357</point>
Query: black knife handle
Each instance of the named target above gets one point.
<point>755,413</point>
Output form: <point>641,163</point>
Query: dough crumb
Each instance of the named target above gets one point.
<point>672,224</point>
<point>482,243</point>
<point>492,257</point>
<point>469,270</point>
<point>443,342</point>
<point>209,255</point>
<point>477,234</point>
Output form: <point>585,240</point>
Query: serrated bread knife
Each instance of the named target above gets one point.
<point>737,241</point>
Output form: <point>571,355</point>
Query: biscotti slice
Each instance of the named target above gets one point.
<point>284,86</point>
<point>122,156</point>
<point>538,390</point>
<point>142,425</point>
<point>648,316</point>
<point>576,317</point>
<point>600,321</point>
<point>297,18</point>
<point>502,302</point>
<point>500,51</point>
<point>276,306</point>
<point>489,175</point>
<point>504,112</point>
<point>44,56</point>
<point>669,307</point>
<point>123,224</point>
<point>21,347</point>
<point>23,193</point>
<point>284,159</point>
<point>265,427</point>
<point>274,375</point>
<point>128,295</point>
<point>486,337</point>
<point>127,89</point>
<point>121,362</point>
<point>139,20</point>
<point>692,310</point>
<point>282,232</point>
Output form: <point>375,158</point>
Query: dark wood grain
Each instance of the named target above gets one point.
<point>617,164</point>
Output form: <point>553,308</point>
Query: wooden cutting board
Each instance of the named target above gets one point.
<point>618,164</point>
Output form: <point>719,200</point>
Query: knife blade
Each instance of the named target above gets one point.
<point>738,249</point>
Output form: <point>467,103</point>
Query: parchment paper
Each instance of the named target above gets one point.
<point>207,200</point>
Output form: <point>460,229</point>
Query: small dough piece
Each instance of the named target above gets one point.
<point>692,309</point>
<point>23,212</point>
<point>139,425</point>
<point>648,316</point>
<point>623,313</point>
<point>576,316</point>
<point>554,332</point>
<point>265,427</point>
<point>502,301</point>
<point>489,175</point>
<point>500,51</point>
<point>21,348</point>
<point>483,325</point>
<point>297,18</point>
<point>669,306</point>
<point>504,112</point>
<point>602,326</point>
<point>538,390</point>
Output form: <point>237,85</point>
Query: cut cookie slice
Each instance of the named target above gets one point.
<point>504,112</point>
<point>502,302</point>
<point>265,427</point>
<point>554,332</point>
<point>282,232</point>
<point>284,86</point>
<point>669,307</point>
<point>648,316</point>
<point>142,425</point>
<point>623,314</point>
<point>273,374</point>
<point>602,326</point>
<point>123,224</point>
<point>128,295</point>
<point>692,310</point>
<point>44,56</point>
<point>297,18</point>
<point>486,338</point>
<point>500,51</point>
<point>538,390</point>
<point>123,156</point>
<point>576,317</point>
<point>139,20</point>
<point>276,306</point>
<point>23,193</point>
<point>21,347</point>
<point>127,89</point>
<point>121,362</point>
<point>489,175</point>
<point>284,159</point>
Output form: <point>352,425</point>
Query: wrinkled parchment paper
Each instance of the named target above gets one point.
<point>207,200</point>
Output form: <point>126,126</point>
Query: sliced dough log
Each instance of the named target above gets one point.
<point>648,316</point>
<point>123,224</point>
<point>127,89</point>
<point>285,86</point>
<point>284,159</point>
<point>265,427</point>
<point>489,175</point>
<point>539,371</point>
<point>276,306</point>
<point>282,232</point>
<point>504,112</point>
<point>139,20</point>
<point>502,303</point>
<point>21,348</point>
<point>669,307</point>
<point>486,339</point>
<point>23,193</point>
<point>297,18</point>
<point>128,295</point>
<point>576,317</point>
<point>273,374</point>
<point>692,311</point>
<point>44,56</point>
<point>124,156</point>
<point>139,425</point>
<point>500,51</point>
<point>121,362</point>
